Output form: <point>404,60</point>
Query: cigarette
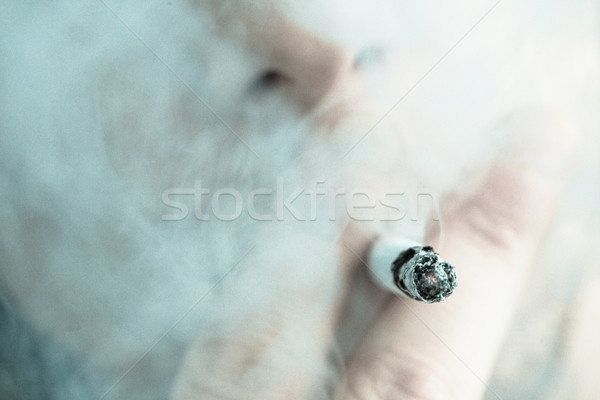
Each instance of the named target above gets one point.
<point>410,269</point>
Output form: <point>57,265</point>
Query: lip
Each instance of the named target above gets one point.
<point>333,117</point>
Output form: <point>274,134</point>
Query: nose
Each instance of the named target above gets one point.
<point>304,67</point>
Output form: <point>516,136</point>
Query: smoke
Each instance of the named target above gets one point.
<point>104,108</point>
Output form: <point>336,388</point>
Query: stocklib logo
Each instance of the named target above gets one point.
<point>298,203</point>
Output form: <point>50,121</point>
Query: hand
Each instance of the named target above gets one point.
<point>447,350</point>
<point>413,350</point>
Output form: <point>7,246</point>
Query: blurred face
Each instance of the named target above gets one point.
<point>107,111</point>
<point>112,111</point>
<point>204,161</point>
<point>269,82</point>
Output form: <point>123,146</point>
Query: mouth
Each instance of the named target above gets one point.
<point>344,115</point>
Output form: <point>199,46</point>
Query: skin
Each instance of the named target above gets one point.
<point>454,343</point>
<point>107,106</point>
<point>411,351</point>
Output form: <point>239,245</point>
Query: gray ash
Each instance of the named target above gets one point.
<point>423,275</point>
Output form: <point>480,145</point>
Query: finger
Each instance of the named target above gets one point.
<point>447,350</point>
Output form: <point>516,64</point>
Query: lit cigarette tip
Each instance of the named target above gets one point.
<point>423,275</point>
<point>412,270</point>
